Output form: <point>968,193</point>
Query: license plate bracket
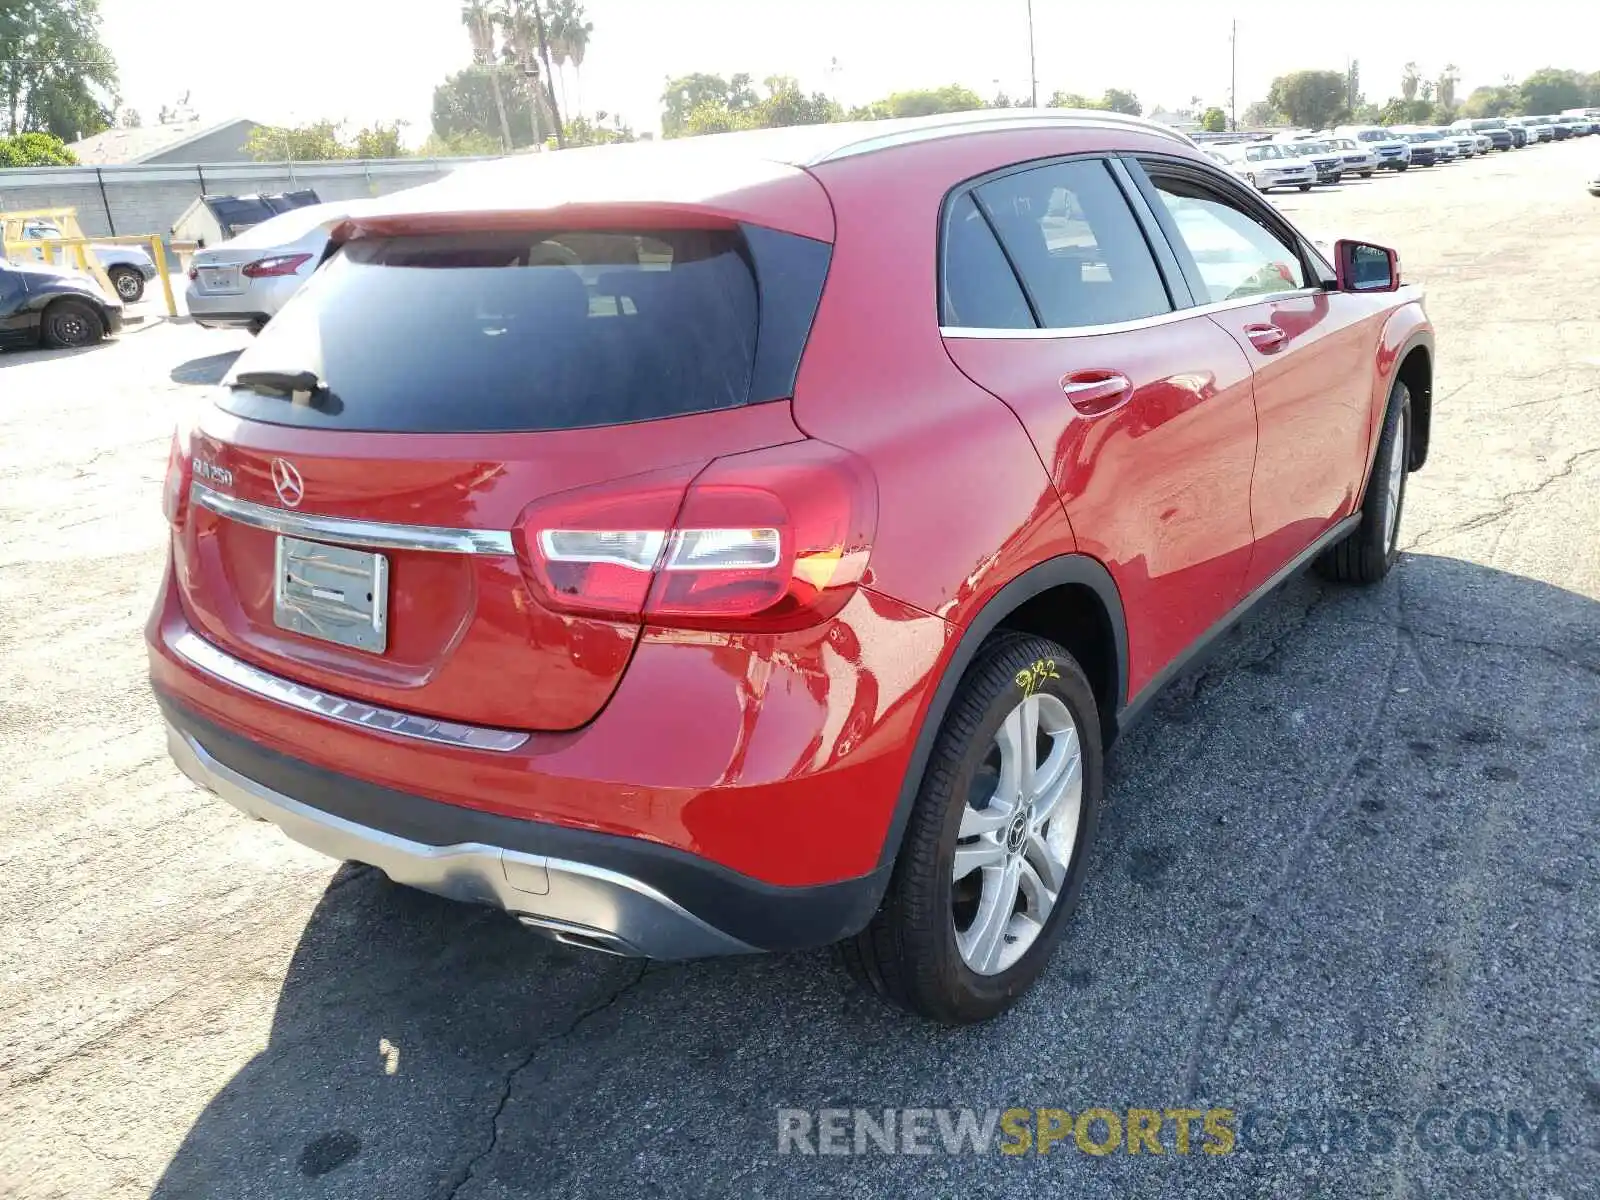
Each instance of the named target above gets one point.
<point>332,593</point>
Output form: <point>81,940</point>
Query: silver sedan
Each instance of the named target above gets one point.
<point>242,283</point>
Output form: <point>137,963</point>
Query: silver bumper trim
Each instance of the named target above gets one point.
<point>199,653</point>
<point>371,535</point>
<point>573,902</point>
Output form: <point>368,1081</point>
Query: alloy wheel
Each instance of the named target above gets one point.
<point>1018,833</point>
<point>1397,476</point>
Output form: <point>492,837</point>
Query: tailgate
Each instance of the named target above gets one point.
<point>362,536</point>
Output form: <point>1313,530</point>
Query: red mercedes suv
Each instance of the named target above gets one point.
<point>755,542</point>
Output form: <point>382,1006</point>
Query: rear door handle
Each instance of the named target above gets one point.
<point>1096,392</point>
<point>1266,338</point>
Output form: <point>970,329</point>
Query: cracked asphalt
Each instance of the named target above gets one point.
<point>1348,868</point>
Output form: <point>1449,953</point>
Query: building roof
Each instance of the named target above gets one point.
<point>116,147</point>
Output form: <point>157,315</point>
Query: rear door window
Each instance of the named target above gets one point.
<point>1076,244</point>
<point>536,331</point>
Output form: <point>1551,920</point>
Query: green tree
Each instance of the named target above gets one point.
<point>465,106</point>
<point>35,150</point>
<point>1309,99</point>
<point>784,104</point>
<point>1405,112</point>
<point>1261,114</point>
<point>1551,91</point>
<point>463,145</point>
<point>1071,100</point>
<point>684,95</point>
<point>921,102</point>
<point>317,142</point>
<point>379,141</point>
<point>1491,102</point>
<point>1214,120</point>
<point>1121,101</point>
<point>56,76</point>
<point>581,131</point>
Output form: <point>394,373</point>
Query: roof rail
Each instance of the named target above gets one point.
<point>943,125</point>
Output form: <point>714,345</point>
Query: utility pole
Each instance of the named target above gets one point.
<point>1233,81</point>
<point>1033,61</point>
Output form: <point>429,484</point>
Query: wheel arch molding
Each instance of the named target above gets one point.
<point>1080,572</point>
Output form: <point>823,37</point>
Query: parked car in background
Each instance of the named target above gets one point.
<point>1519,134</point>
<point>1394,153</point>
<point>53,306</point>
<point>129,267</point>
<point>1323,157</point>
<point>1268,165</point>
<point>593,568</point>
<point>1494,128</point>
<point>1446,148</point>
<point>1425,150</point>
<point>1540,129</point>
<point>1466,142</point>
<point>244,282</point>
<point>1594,184</point>
<point>1354,158</point>
<point>213,219</point>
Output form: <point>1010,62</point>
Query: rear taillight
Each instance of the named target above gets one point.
<point>278,264</point>
<point>771,539</point>
<point>194,274</point>
<point>180,471</point>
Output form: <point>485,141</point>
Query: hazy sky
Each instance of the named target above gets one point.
<point>366,60</point>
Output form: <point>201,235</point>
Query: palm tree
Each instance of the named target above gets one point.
<point>570,30</point>
<point>527,44</point>
<point>480,19</point>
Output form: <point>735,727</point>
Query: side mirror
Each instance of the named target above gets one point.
<point>1363,267</point>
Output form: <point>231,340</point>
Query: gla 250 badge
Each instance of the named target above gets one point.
<point>211,473</point>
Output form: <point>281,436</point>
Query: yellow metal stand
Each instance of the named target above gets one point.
<point>74,241</point>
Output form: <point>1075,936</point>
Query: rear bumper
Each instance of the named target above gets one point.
<point>229,320</point>
<point>598,891</point>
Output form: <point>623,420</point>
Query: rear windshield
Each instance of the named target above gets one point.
<point>536,330</point>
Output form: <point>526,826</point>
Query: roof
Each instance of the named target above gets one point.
<point>755,174</point>
<point>119,146</point>
<point>810,145</point>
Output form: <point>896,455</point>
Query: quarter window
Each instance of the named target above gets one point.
<point>1234,254</point>
<point>980,289</point>
<point>1076,244</point>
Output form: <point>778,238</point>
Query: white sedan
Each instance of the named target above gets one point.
<point>242,283</point>
<point>1266,165</point>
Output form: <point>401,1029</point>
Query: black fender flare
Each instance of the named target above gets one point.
<point>1074,568</point>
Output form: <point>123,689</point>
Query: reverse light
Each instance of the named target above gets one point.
<point>275,266</point>
<point>770,539</point>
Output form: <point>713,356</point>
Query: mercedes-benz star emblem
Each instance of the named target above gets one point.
<point>291,488</point>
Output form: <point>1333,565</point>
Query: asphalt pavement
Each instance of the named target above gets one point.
<point>1346,887</point>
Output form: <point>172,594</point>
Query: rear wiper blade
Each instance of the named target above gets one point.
<point>287,383</point>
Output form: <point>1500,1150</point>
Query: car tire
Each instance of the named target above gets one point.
<point>1367,553</point>
<point>70,324</point>
<point>959,949</point>
<point>1366,174</point>
<point>1403,167</point>
<point>1305,187</point>
<point>129,284</point>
